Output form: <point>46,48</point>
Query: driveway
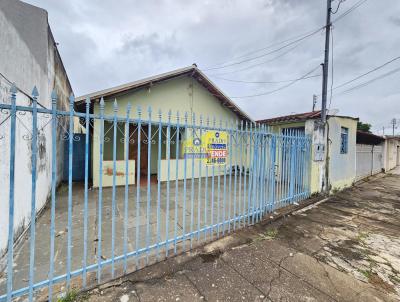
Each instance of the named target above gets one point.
<point>346,248</point>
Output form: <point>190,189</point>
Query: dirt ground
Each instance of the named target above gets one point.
<point>345,248</point>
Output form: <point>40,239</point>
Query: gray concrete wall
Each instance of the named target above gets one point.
<point>28,58</point>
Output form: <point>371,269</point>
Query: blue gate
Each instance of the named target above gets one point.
<point>161,184</point>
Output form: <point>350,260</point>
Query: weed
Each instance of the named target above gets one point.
<point>367,273</point>
<point>69,297</point>
<point>271,233</point>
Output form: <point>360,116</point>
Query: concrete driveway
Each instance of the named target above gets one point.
<point>346,248</point>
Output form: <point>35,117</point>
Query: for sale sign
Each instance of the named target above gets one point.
<point>216,147</point>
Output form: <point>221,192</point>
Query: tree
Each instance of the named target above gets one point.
<point>364,127</point>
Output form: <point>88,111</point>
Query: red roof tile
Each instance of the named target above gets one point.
<point>299,117</point>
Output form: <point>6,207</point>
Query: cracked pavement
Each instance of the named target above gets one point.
<point>346,248</point>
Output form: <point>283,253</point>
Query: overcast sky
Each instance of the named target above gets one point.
<point>106,43</point>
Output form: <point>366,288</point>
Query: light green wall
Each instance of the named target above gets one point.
<point>182,94</point>
<point>342,167</point>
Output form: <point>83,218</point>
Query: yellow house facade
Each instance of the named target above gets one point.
<point>173,97</point>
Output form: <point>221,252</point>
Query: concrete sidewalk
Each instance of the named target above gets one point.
<point>344,249</point>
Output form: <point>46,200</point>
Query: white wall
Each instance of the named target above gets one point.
<point>369,160</point>
<point>392,153</point>
<point>28,58</point>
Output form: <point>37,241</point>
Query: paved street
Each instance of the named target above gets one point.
<point>344,249</point>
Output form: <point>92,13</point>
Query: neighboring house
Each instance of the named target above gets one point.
<point>29,57</point>
<point>392,151</point>
<point>370,154</point>
<point>341,147</point>
<point>185,90</point>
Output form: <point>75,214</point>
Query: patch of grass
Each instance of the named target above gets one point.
<point>69,297</point>
<point>271,233</point>
<point>367,273</point>
<point>362,237</point>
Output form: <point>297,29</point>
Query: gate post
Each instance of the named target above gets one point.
<point>292,166</point>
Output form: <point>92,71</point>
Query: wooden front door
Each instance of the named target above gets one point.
<point>133,148</point>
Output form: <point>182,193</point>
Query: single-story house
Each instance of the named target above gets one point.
<point>341,147</point>
<point>185,90</point>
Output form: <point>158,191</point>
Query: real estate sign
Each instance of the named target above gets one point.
<point>211,146</point>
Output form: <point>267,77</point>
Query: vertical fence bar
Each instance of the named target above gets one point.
<point>126,197</point>
<point>206,189</point>
<point>292,165</point>
<point>168,156</point>
<point>138,185</point>
<point>235,178</point>
<point>184,187</point>
<point>246,152</point>
<point>272,174</point>
<point>10,244</point>
<point>159,183</point>
<point>177,137</point>
<point>219,189</point>
<point>85,210</point>
<point>70,154</point>
<point>35,95</point>
<point>100,202</point>
<point>199,181</point>
<point>212,193</point>
<point>254,175</point>
<point>115,124</point>
<point>251,160</point>
<point>192,183</point>
<point>224,202</point>
<point>148,213</point>
<point>241,211</point>
<point>230,174</point>
<point>53,187</point>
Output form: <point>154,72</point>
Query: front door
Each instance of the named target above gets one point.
<point>133,147</point>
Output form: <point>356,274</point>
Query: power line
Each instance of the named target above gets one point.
<point>267,82</point>
<point>265,54</point>
<point>367,73</point>
<point>393,71</point>
<point>261,63</point>
<point>355,6</point>
<point>278,89</point>
<point>271,45</point>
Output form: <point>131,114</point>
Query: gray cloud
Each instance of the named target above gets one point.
<point>104,44</point>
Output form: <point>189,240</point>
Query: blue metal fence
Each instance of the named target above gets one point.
<point>210,178</point>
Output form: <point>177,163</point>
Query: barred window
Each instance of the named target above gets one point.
<point>344,140</point>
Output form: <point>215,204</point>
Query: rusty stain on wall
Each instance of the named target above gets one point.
<point>109,172</point>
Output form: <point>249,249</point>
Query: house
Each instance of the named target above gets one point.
<point>29,58</point>
<point>187,91</point>
<point>339,152</point>
<point>392,151</point>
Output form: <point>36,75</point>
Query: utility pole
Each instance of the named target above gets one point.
<point>314,102</point>
<point>393,122</point>
<point>383,128</point>
<point>325,66</point>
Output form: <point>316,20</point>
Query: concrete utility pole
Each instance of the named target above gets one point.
<point>393,122</point>
<point>325,66</point>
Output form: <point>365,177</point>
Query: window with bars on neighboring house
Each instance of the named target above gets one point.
<point>344,140</point>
